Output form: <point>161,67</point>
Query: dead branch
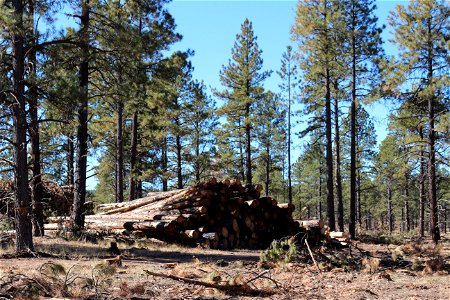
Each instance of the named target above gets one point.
<point>242,290</point>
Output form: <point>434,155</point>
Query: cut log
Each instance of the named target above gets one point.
<point>192,234</point>
<point>290,207</point>
<point>252,203</point>
<point>128,206</point>
<point>311,223</point>
<point>228,213</point>
<point>163,226</point>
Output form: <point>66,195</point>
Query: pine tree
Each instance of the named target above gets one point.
<point>271,137</point>
<point>366,141</point>
<point>82,120</point>
<point>17,100</point>
<point>365,50</point>
<point>386,166</point>
<point>317,26</point>
<point>288,75</point>
<point>243,78</point>
<point>309,175</point>
<point>421,73</point>
<point>200,121</point>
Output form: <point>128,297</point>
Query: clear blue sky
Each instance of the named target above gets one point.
<point>210,27</point>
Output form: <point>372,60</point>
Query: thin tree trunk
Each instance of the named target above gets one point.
<point>119,151</point>
<point>133,157</point>
<point>24,239</point>
<point>407,212</point>
<point>389,212</point>
<point>197,154</point>
<point>134,138</point>
<point>164,165</point>
<point>329,155</point>
<point>352,219</point>
<point>70,160</point>
<point>139,189</point>
<point>289,136</point>
<point>82,128</point>
<point>267,169</point>
<point>241,155</point>
<point>422,196</point>
<point>358,197</point>
<point>432,198</point>
<point>179,162</point>
<point>319,201</point>
<point>36,182</point>
<point>248,160</point>
<point>337,166</point>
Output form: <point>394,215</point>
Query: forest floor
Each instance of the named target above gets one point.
<point>365,270</point>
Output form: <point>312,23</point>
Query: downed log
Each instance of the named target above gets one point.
<point>163,226</point>
<point>128,206</point>
<point>290,207</point>
<point>311,223</point>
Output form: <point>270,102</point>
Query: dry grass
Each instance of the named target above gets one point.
<point>298,280</point>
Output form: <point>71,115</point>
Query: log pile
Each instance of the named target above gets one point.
<point>218,215</point>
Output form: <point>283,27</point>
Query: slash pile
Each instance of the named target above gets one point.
<point>219,215</point>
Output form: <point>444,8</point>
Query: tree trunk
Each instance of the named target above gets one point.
<point>352,219</point>
<point>36,185</point>
<point>197,154</point>
<point>36,182</point>
<point>289,136</point>
<point>179,163</point>
<point>248,160</point>
<point>267,169</point>
<point>119,150</point>
<point>432,197</point>
<point>133,157</point>
<point>134,139</point>
<point>139,189</point>
<point>358,196</point>
<point>329,155</point>
<point>164,165</point>
<point>389,212</point>
<point>422,196</point>
<point>70,159</point>
<point>82,128</point>
<point>24,239</point>
<point>407,212</point>
<point>337,156</point>
<point>319,200</point>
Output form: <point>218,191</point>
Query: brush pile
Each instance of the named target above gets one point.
<point>218,215</point>
<point>56,199</point>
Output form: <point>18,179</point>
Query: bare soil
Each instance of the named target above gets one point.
<point>362,271</point>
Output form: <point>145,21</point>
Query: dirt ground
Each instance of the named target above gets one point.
<point>78,270</point>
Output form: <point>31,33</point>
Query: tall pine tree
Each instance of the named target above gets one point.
<point>420,73</point>
<point>243,78</point>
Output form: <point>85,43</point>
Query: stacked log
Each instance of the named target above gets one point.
<point>220,215</point>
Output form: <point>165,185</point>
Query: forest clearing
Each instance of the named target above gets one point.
<point>143,249</point>
<point>408,269</point>
<point>158,149</point>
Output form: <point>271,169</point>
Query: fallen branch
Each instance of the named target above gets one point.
<point>262,275</point>
<point>312,257</point>
<point>242,290</point>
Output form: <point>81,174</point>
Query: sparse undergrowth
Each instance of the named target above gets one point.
<point>83,274</point>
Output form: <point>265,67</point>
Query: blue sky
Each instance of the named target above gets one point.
<point>210,27</point>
